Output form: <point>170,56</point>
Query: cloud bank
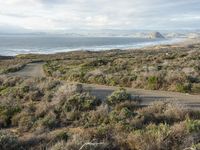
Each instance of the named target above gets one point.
<point>53,15</point>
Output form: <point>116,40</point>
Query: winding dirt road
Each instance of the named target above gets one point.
<point>148,96</point>
<point>31,70</point>
<point>101,92</point>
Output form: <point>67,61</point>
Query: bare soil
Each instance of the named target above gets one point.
<point>31,70</point>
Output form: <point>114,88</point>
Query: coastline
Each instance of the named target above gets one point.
<point>137,45</point>
<point>184,42</point>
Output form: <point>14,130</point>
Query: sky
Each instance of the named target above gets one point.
<point>59,15</point>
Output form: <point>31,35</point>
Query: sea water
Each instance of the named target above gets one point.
<point>11,45</point>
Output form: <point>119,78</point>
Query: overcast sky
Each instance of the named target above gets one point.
<point>52,15</point>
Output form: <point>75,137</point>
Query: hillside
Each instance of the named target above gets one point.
<point>50,108</point>
<point>42,113</point>
<point>155,35</point>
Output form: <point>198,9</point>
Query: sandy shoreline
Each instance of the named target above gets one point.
<point>188,41</point>
<point>183,43</point>
<point>179,43</point>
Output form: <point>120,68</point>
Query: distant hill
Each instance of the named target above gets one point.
<point>156,35</point>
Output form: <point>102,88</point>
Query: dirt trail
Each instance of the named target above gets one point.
<point>148,96</point>
<point>100,91</point>
<point>31,70</point>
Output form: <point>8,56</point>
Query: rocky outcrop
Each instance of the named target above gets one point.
<point>155,35</point>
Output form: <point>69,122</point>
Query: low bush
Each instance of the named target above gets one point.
<point>61,145</point>
<point>118,96</point>
<point>49,121</point>
<point>24,121</point>
<point>184,88</point>
<point>67,117</point>
<point>153,68</point>
<point>80,102</point>
<point>193,125</point>
<point>162,112</point>
<point>152,137</point>
<point>8,141</point>
<point>6,114</point>
<point>195,88</point>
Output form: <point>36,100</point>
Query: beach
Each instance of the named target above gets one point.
<point>11,45</point>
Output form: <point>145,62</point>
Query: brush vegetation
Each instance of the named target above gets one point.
<point>51,113</point>
<point>45,113</point>
<point>170,68</point>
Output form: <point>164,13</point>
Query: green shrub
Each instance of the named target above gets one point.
<point>25,88</point>
<point>118,96</point>
<point>63,135</point>
<point>8,141</point>
<point>96,117</point>
<point>6,114</point>
<point>125,113</point>
<point>52,84</point>
<point>99,79</point>
<point>26,122</point>
<point>152,137</point>
<point>196,146</point>
<point>161,112</point>
<point>193,125</point>
<point>184,88</point>
<point>196,88</point>
<point>49,121</point>
<point>153,83</point>
<point>80,102</point>
<point>36,95</point>
<point>70,116</point>
<point>61,145</point>
<point>121,116</point>
<point>96,63</point>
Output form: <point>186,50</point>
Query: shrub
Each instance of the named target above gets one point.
<point>160,112</point>
<point>63,135</point>
<point>8,141</point>
<point>6,114</point>
<point>67,117</point>
<point>25,88</point>
<point>61,145</point>
<point>52,84</point>
<point>184,88</point>
<point>193,125</point>
<point>25,121</point>
<point>196,146</point>
<point>196,88</point>
<point>36,95</point>
<point>49,121</point>
<point>122,116</point>
<point>67,90</point>
<point>80,102</point>
<point>96,63</point>
<point>118,96</point>
<point>153,83</point>
<point>94,139</point>
<point>96,117</point>
<point>152,138</point>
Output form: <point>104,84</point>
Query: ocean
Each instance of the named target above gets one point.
<point>11,45</point>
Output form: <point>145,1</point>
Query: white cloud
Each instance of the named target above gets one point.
<point>91,14</point>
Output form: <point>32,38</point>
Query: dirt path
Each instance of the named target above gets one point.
<point>100,91</point>
<point>148,96</point>
<point>31,70</point>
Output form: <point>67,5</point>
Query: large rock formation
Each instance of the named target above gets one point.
<point>155,35</point>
